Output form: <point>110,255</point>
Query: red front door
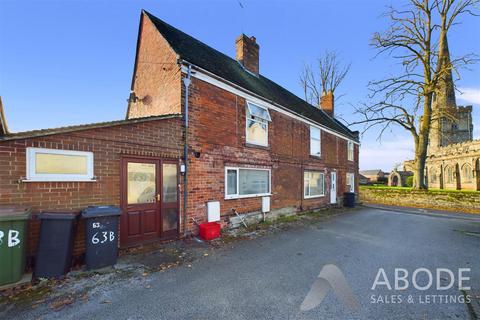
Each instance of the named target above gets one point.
<point>149,200</point>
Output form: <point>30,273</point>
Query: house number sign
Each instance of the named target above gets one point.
<point>12,239</point>
<point>101,237</point>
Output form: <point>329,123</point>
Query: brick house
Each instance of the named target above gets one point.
<point>247,139</point>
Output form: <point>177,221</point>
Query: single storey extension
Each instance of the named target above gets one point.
<point>205,137</point>
<point>70,168</point>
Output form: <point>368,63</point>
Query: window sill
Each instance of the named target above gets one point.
<point>316,157</point>
<point>258,146</point>
<point>232,197</point>
<point>313,197</point>
<point>58,180</point>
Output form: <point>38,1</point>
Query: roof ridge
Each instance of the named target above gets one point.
<point>225,67</point>
<point>152,17</point>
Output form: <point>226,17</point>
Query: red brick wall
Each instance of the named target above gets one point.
<point>217,131</point>
<point>156,78</point>
<point>156,138</point>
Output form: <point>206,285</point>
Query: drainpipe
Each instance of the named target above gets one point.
<point>186,83</point>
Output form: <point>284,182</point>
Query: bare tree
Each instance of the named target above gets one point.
<point>398,166</point>
<point>417,39</point>
<point>329,75</point>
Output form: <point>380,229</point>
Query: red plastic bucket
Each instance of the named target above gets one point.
<point>209,230</point>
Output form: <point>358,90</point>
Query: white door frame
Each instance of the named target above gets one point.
<point>333,187</point>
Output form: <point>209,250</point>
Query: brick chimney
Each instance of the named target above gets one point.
<point>247,52</point>
<point>327,103</point>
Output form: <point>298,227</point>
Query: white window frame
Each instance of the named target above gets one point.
<point>263,120</point>
<point>352,185</point>
<point>350,151</point>
<point>315,196</point>
<point>33,176</point>
<point>319,141</point>
<point>249,106</point>
<point>238,195</point>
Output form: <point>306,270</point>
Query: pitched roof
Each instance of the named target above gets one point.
<point>370,172</point>
<point>205,57</point>
<point>51,131</point>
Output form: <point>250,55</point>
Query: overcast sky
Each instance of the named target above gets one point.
<point>71,62</point>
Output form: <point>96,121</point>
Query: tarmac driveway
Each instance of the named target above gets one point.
<point>269,276</point>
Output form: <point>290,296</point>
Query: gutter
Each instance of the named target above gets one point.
<point>186,83</point>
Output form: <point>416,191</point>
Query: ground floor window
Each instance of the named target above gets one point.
<point>246,182</point>
<point>59,165</point>
<point>350,185</point>
<point>313,184</point>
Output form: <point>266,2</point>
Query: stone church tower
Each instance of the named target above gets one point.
<point>450,123</point>
<point>453,157</point>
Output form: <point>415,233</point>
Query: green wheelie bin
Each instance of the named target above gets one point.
<point>13,238</point>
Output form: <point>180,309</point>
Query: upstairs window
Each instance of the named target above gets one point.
<point>59,165</point>
<point>315,142</point>
<point>257,124</point>
<point>350,151</point>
